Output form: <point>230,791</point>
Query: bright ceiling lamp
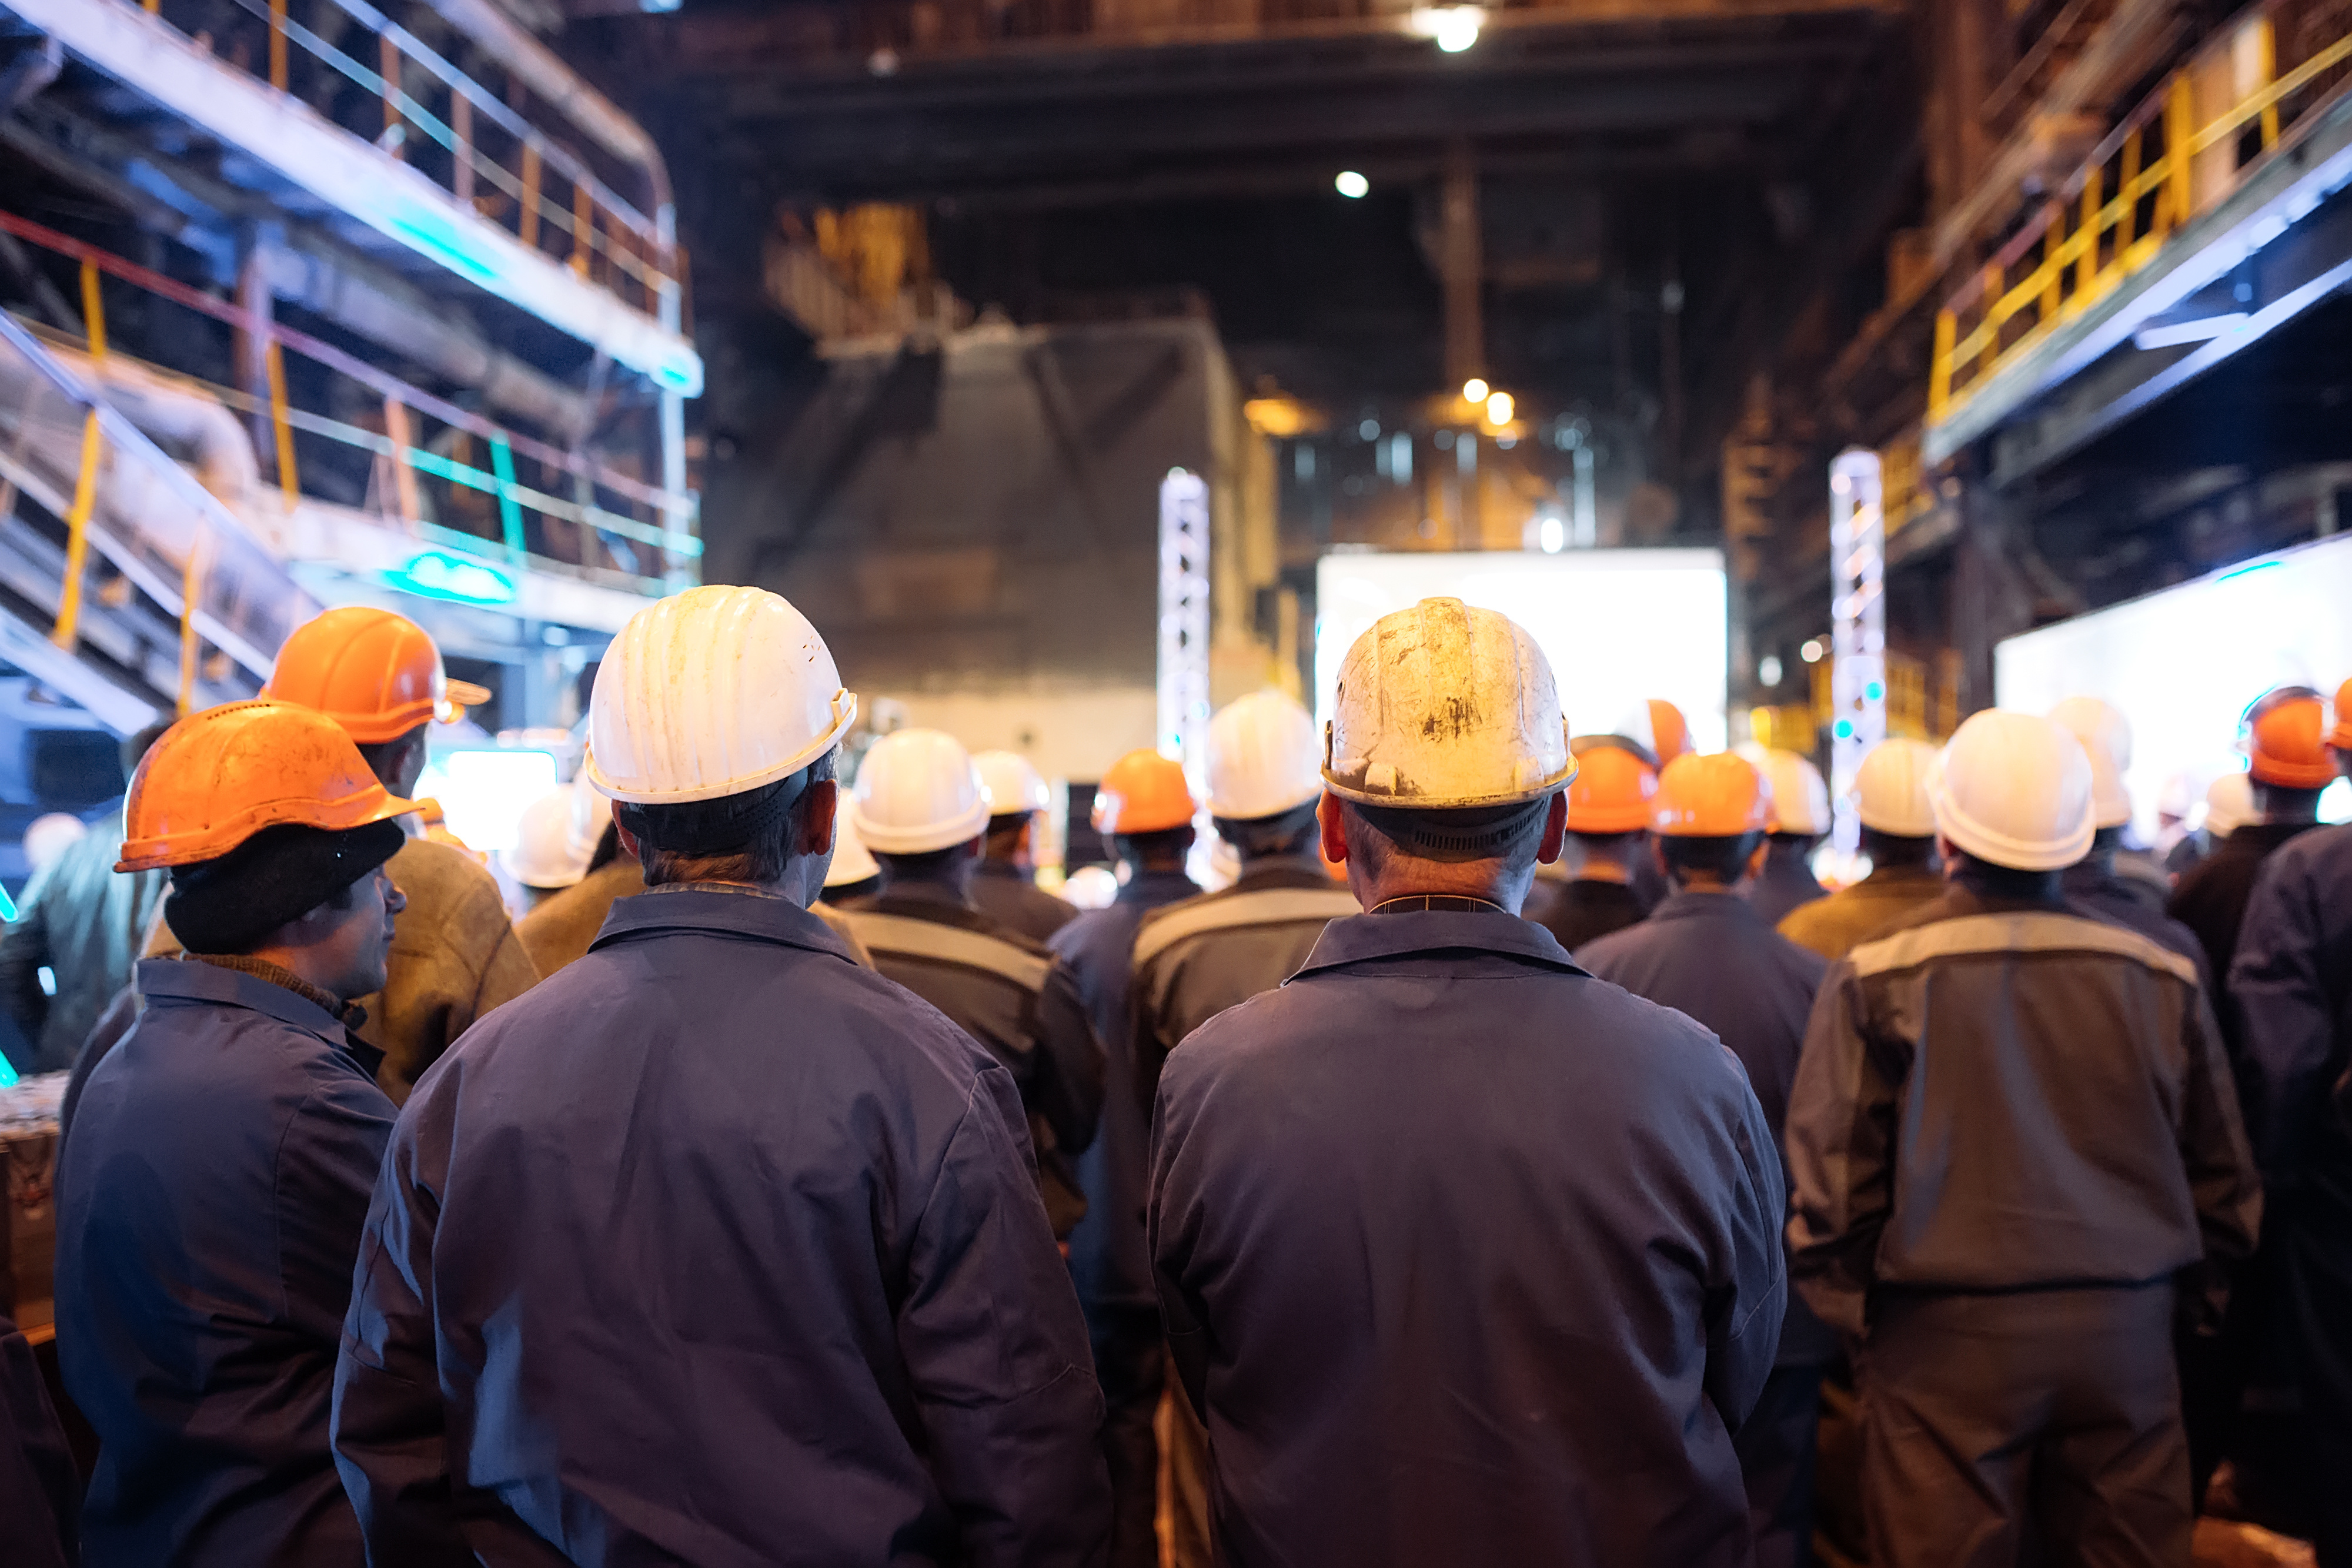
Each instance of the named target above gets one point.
<point>1352,185</point>
<point>1453,27</point>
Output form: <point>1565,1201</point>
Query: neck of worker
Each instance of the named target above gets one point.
<point>1298,857</point>
<point>1603,859</point>
<point>2104,845</point>
<point>1503,883</point>
<point>948,873</point>
<point>1706,882</point>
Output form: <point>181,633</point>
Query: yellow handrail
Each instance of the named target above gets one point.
<point>1963,360</point>
<point>85,500</point>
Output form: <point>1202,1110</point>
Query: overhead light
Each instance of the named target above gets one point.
<point>2202,329</point>
<point>1812,652</point>
<point>1351,185</point>
<point>1768,670</point>
<point>1552,534</point>
<point>1474,390</point>
<point>1499,408</point>
<point>1453,28</point>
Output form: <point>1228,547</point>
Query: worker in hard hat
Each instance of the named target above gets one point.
<point>715,1247</point>
<point>1194,960</point>
<point>85,923</point>
<point>922,813</point>
<point>2290,980</point>
<point>2013,1128</point>
<point>2285,737</point>
<point>853,873</point>
<point>1144,808</point>
<point>1899,836</point>
<point>455,957</point>
<point>1004,883</point>
<point>2097,882</point>
<point>1466,1255</point>
<point>1609,810</point>
<point>1658,727</point>
<point>212,1191</point>
<point>544,858</point>
<point>1707,953</point>
<point>1800,818</point>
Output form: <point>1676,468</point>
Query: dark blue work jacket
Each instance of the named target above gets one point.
<point>716,1249</point>
<point>2100,890</point>
<point>1107,1257</point>
<point>1466,1257</point>
<point>1710,956</point>
<point>211,1195</point>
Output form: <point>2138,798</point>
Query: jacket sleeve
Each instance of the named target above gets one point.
<point>327,1165</point>
<point>1750,1297</point>
<point>1840,1145</point>
<point>1171,1226</point>
<point>2213,1149</point>
<point>389,1433</point>
<point>1068,1085</point>
<point>2286,1022</point>
<point>996,1352</point>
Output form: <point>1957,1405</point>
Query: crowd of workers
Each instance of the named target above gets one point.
<point>800,1183</point>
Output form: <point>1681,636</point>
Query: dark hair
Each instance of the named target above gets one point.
<point>608,849</point>
<point>1283,833</point>
<point>2006,882</point>
<point>743,838</point>
<point>1724,858</point>
<point>2107,839</point>
<point>1161,846</point>
<point>930,863</point>
<point>1895,849</point>
<point>1004,832</point>
<point>1610,841</point>
<point>2286,800</point>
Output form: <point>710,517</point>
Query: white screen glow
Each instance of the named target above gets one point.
<point>482,793</point>
<point>1619,626</point>
<point>2185,663</point>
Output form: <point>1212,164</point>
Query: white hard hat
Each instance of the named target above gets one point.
<point>1801,800</point>
<point>1014,789</point>
<point>590,811</point>
<point>2229,804</point>
<point>1443,707</point>
<point>2014,789</point>
<point>542,856</point>
<point>918,792</point>
<point>1264,759</point>
<point>50,835</point>
<point>712,692</point>
<point>850,861</point>
<point>2096,722</point>
<point>1891,789</point>
<point>2106,736</point>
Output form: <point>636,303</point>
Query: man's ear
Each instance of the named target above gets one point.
<point>1331,820</point>
<point>626,839</point>
<point>817,821</point>
<point>1755,861</point>
<point>1555,833</point>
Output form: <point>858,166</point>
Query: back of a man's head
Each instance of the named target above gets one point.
<point>747,839</point>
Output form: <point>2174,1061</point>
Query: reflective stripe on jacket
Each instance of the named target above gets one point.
<point>1835,925</point>
<point>2003,1095</point>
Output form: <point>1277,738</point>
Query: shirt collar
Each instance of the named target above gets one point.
<point>1436,904</point>
<point>762,917</point>
<point>1153,887</point>
<point>1357,938</point>
<point>183,979</point>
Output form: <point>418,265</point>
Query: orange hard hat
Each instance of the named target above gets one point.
<point>2341,736</point>
<point>219,777</point>
<point>1143,792</point>
<point>376,673</point>
<point>1718,795</point>
<point>1668,729</point>
<point>1612,792</point>
<point>2286,740</point>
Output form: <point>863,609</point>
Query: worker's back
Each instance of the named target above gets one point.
<point>1013,997</point>
<point>1477,1257</point>
<point>1009,896</point>
<point>454,957</point>
<point>718,1295</point>
<point>2045,1103</point>
<point>84,922</point>
<point>559,931</point>
<point>2211,897</point>
<point>1196,959</point>
<point>1834,927</point>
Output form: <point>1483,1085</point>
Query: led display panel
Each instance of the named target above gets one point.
<point>2184,663</point>
<point>1619,626</point>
